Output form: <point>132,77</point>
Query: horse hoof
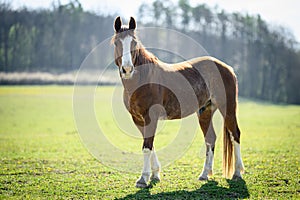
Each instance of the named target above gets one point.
<point>236,177</point>
<point>203,178</point>
<point>141,183</point>
<point>155,179</point>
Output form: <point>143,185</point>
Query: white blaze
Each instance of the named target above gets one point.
<point>126,59</point>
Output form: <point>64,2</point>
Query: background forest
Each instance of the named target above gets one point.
<point>265,57</point>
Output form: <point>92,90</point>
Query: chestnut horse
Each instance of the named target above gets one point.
<point>156,90</point>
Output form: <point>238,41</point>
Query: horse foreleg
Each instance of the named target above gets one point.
<point>155,167</point>
<point>142,181</point>
<point>151,164</point>
<point>150,157</point>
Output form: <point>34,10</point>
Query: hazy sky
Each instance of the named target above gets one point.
<point>276,12</point>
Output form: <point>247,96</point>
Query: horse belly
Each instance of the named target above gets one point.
<point>173,110</point>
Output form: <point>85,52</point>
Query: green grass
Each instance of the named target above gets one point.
<point>41,154</point>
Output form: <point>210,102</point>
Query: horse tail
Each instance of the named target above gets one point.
<point>227,153</point>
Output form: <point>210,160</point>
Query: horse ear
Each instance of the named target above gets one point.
<point>118,24</point>
<point>132,23</point>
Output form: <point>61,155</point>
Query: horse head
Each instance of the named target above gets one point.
<point>125,43</point>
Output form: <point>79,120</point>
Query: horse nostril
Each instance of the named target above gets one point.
<point>123,70</point>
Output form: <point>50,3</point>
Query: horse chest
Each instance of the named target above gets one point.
<point>137,111</point>
<point>137,107</point>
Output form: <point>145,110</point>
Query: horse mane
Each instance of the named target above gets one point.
<point>144,56</point>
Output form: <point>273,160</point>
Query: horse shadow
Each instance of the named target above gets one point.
<point>210,190</point>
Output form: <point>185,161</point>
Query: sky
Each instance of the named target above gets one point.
<point>275,12</point>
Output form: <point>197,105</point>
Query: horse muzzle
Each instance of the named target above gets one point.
<point>126,71</point>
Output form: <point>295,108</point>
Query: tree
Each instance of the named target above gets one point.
<point>157,10</point>
<point>57,40</point>
<point>185,8</point>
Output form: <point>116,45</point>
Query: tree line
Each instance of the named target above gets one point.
<point>266,58</point>
<point>54,40</point>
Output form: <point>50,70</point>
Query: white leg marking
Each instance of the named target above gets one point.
<point>208,165</point>
<point>146,168</point>
<point>239,167</point>
<point>142,181</point>
<point>155,166</point>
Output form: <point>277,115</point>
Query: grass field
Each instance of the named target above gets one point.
<point>41,154</point>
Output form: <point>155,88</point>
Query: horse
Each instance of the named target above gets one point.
<point>155,90</point>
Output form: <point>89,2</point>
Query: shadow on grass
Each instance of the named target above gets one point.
<point>210,190</point>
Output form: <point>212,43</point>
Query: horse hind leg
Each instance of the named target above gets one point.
<point>226,102</point>
<point>232,142</point>
<point>205,120</point>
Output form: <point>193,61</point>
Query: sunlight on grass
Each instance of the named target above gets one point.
<point>42,155</point>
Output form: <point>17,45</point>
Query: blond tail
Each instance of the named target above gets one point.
<point>227,154</point>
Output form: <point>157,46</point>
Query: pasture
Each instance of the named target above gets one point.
<point>41,154</point>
